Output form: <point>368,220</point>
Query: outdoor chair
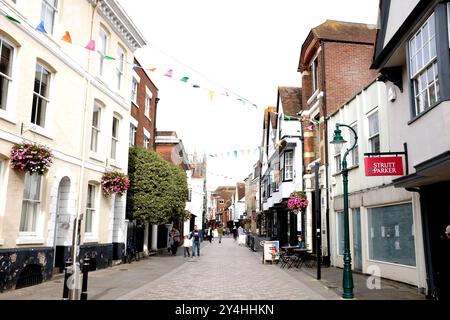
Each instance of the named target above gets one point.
<point>286,259</point>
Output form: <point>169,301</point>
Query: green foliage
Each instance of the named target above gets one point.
<point>158,189</point>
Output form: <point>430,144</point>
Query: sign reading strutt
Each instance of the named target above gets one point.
<point>384,166</point>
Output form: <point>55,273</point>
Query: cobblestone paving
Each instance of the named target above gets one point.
<point>227,271</point>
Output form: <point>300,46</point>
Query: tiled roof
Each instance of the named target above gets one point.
<point>166,133</point>
<point>240,190</point>
<point>291,99</point>
<point>346,31</point>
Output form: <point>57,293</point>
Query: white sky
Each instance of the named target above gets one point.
<point>248,47</point>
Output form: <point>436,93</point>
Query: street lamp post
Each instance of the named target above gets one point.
<point>339,142</point>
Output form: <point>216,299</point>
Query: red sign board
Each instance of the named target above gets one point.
<point>384,166</point>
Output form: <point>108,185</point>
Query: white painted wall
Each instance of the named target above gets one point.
<point>399,11</point>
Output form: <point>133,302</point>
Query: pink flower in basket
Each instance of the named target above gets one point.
<point>31,158</point>
<point>114,182</point>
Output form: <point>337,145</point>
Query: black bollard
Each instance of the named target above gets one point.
<point>85,279</point>
<point>66,277</point>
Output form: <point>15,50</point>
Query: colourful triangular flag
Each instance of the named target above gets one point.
<point>41,27</point>
<point>288,118</point>
<point>235,153</point>
<point>91,45</point>
<point>152,69</point>
<point>184,79</point>
<point>211,94</point>
<point>134,66</point>
<point>169,73</point>
<point>109,58</point>
<point>67,37</point>
<point>12,19</point>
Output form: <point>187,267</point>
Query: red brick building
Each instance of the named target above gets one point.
<point>335,65</point>
<point>144,101</point>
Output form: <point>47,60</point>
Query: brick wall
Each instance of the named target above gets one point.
<point>347,71</point>
<point>138,111</point>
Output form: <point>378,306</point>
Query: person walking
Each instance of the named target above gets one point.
<point>197,237</point>
<point>235,233</point>
<point>220,233</point>
<point>210,234</point>
<point>175,235</point>
<point>187,243</point>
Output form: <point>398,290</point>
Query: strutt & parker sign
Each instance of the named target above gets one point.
<point>384,166</point>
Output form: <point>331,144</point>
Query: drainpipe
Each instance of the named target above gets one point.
<point>79,217</point>
<point>325,115</point>
<point>154,124</point>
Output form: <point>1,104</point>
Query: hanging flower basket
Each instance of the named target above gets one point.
<point>31,158</point>
<point>298,202</point>
<point>114,182</point>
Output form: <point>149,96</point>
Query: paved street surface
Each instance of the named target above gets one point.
<point>224,271</point>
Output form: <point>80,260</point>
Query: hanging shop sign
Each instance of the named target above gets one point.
<point>384,166</point>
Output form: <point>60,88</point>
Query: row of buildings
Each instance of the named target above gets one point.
<point>88,106</point>
<point>388,83</point>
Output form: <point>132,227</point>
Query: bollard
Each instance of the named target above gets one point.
<point>68,265</point>
<point>85,279</point>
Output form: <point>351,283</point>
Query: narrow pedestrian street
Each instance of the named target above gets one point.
<point>223,271</point>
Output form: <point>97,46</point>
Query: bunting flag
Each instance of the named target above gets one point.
<point>310,127</point>
<point>134,66</point>
<point>287,118</point>
<point>235,154</point>
<point>12,19</point>
<point>169,73</point>
<point>41,27</point>
<point>91,45</point>
<point>67,37</point>
<point>211,94</point>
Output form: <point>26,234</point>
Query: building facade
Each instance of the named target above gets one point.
<point>334,65</point>
<point>413,57</point>
<point>87,133</point>
<point>385,223</point>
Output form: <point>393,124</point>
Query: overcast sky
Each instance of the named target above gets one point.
<point>243,48</point>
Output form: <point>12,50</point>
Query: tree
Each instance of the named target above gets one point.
<point>158,188</point>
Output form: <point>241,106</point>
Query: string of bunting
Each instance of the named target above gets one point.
<point>91,46</point>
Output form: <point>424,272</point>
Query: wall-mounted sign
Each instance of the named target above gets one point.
<point>384,166</point>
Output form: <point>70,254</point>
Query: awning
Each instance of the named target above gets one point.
<point>432,171</point>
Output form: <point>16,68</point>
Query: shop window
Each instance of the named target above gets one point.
<point>391,234</point>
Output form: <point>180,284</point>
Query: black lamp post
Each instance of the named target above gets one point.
<point>339,142</point>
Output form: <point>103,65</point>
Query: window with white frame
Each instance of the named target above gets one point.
<point>95,131</point>
<point>374,132</point>
<point>48,12</point>
<point>115,138</point>
<point>134,89</point>
<point>148,101</point>
<point>288,165</point>
<point>101,49</point>
<point>90,208</point>
<point>7,51</point>
<point>355,151</point>
<point>338,162</point>
<point>423,66</point>
<point>40,96</point>
<point>30,203</point>
<point>146,142</point>
<point>119,66</point>
<point>315,74</point>
<point>132,138</point>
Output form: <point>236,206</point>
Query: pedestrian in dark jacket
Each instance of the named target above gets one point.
<point>197,237</point>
